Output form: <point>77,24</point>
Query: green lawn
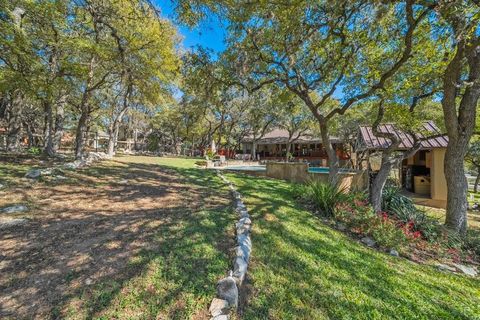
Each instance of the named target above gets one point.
<point>476,197</point>
<point>154,249</point>
<point>186,256</point>
<point>473,215</point>
<point>99,248</point>
<point>303,269</point>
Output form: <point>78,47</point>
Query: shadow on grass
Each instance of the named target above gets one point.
<point>304,269</point>
<point>159,258</point>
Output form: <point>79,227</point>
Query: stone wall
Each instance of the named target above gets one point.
<point>228,287</point>
<point>298,172</point>
<point>294,172</point>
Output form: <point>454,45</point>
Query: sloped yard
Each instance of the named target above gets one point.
<point>137,237</point>
<point>144,238</point>
<point>303,269</point>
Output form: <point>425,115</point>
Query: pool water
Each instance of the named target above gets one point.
<point>246,168</point>
<point>319,169</point>
<point>260,168</point>
<point>327,170</point>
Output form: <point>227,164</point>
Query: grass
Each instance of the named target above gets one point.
<point>153,248</point>
<point>473,197</point>
<point>302,269</point>
<point>439,213</point>
<point>178,275</point>
<point>11,172</point>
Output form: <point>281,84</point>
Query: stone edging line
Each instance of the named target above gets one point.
<point>227,288</point>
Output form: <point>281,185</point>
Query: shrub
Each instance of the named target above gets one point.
<point>386,232</point>
<point>34,150</point>
<point>324,196</point>
<point>201,163</point>
<point>356,215</point>
<point>153,142</point>
<point>472,242</point>
<point>403,209</point>
<point>450,239</point>
<point>210,154</point>
<point>393,200</point>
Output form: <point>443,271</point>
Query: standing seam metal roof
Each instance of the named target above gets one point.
<point>370,141</point>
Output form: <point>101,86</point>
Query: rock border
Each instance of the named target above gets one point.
<point>227,288</point>
<point>90,159</point>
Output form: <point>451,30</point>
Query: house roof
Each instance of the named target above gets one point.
<point>370,141</point>
<point>280,136</point>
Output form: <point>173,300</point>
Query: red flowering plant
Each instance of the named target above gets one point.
<point>355,212</point>
<point>360,202</point>
<point>386,232</point>
<point>454,254</point>
<point>410,232</point>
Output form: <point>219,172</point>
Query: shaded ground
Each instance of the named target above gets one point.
<point>138,237</point>
<point>473,216</point>
<point>303,269</point>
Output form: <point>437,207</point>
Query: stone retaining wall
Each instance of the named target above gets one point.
<point>227,288</point>
<point>298,172</point>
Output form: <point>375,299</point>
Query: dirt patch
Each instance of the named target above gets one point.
<point>85,229</point>
<point>270,217</point>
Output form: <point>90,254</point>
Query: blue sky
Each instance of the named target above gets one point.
<point>209,34</point>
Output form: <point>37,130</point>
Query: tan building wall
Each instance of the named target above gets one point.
<point>439,184</point>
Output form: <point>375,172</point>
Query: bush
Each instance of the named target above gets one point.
<point>201,163</point>
<point>153,142</point>
<point>387,233</point>
<point>393,200</point>
<point>356,214</point>
<point>210,154</point>
<point>34,151</point>
<point>403,209</point>
<point>324,196</point>
<point>472,242</point>
<point>361,219</point>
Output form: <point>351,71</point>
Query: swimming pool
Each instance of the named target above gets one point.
<point>326,170</point>
<point>319,170</point>
<point>246,168</point>
<point>263,168</point>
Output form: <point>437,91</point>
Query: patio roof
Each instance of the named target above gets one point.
<point>368,141</point>
<point>280,136</point>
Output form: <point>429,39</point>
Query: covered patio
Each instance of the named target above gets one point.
<point>421,175</point>
<point>305,148</point>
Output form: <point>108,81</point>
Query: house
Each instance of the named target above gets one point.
<point>308,147</point>
<point>422,174</point>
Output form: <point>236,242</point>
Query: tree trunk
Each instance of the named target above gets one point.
<point>135,139</point>
<point>112,139</point>
<point>254,150</point>
<point>49,130</point>
<point>80,136</point>
<point>460,115</point>
<point>82,127</point>
<point>379,182</point>
<point>15,122</point>
<point>59,120</point>
<point>477,182</point>
<point>113,130</point>
<point>332,155</point>
<point>287,156</point>
<point>31,138</point>
<point>457,186</point>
